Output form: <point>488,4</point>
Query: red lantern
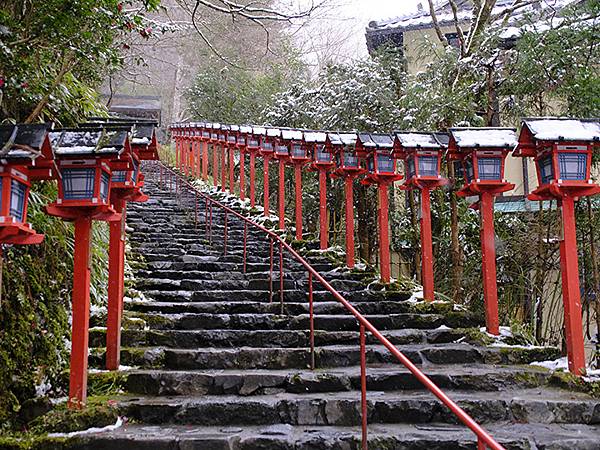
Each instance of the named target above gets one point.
<point>268,143</point>
<point>298,156</point>
<point>343,148</point>
<point>243,136</point>
<point>26,154</point>
<point>562,149</point>
<point>322,161</point>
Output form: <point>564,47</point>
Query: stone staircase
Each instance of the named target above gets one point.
<point>217,366</point>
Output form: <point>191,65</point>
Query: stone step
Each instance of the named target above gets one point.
<point>431,436</point>
<point>227,338</point>
<point>381,378</point>
<point>425,355</point>
<point>536,405</point>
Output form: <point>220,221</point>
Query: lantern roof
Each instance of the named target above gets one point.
<point>259,130</point>
<point>112,119</point>
<point>246,129</point>
<point>562,128</point>
<point>315,136</point>
<point>273,132</point>
<point>234,127</point>
<point>291,135</point>
<point>470,138</point>
<point>376,140</point>
<point>225,127</point>
<point>92,141</point>
<point>417,139</point>
<point>23,141</point>
<point>342,138</point>
<point>216,125</point>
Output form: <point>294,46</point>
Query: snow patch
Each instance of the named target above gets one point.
<point>118,424</point>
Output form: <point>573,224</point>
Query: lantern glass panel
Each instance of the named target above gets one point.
<point>385,163</point>
<point>298,151</point>
<point>322,155</point>
<point>370,164</point>
<point>546,169</point>
<point>119,176</point>
<point>410,167</point>
<point>572,166</point>
<point>267,146</point>
<point>136,170</point>
<point>282,149</point>
<point>104,185</point>
<point>489,168</point>
<point>350,160</point>
<point>78,184</point>
<point>18,191</point>
<point>253,143</point>
<point>468,169</point>
<point>428,166</point>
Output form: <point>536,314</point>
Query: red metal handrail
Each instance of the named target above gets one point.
<point>484,439</point>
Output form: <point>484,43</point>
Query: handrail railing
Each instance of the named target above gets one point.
<point>484,439</point>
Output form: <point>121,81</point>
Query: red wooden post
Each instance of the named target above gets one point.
<point>231,171</point>
<point>488,260</point>
<point>323,231</point>
<point>223,167</point>
<point>426,245</point>
<point>349,194</point>
<point>384,237</point>
<point>215,169</point>
<point>199,164</point>
<point>177,152</point>
<point>570,287</point>
<point>298,182</point>
<point>242,174</point>
<point>116,280</point>
<point>266,184</point>
<point>205,161</point>
<point>281,194</point>
<point>81,312</point>
<point>252,179</point>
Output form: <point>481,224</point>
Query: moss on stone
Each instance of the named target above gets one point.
<point>567,380</point>
<point>99,412</point>
<point>106,383</point>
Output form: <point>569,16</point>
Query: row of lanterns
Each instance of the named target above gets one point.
<point>97,166</point>
<point>561,147</point>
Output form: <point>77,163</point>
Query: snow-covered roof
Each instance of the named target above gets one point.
<point>216,126</point>
<point>342,138</point>
<point>245,129</point>
<point>82,141</point>
<point>292,135</point>
<point>412,139</point>
<point>484,137</point>
<point>315,136</point>
<point>560,128</point>
<point>259,130</point>
<point>273,132</point>
<point>22,140</point>
<point>234,127</point>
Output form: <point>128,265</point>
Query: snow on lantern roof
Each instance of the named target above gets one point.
<point>77,141</point>
<point>563,128</point>
<point>291,135</point>
<point>315,136</point>
<point>342,138</point>
<point>382,140</point>
<point>245,129</point>
<point>225,127</point>
<point>484,137</point>
<point>22,140</point>
<point>259,130</point>
<point>273,132</point>
<point>216,126</point>
<point>234,127</point>
<point>417,139</point>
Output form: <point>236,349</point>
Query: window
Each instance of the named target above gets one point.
<point>370,164</point>
<point>410,167</point>
<point>282,150</point>
<point>489,168</point>
<point>428,166</point>
<point>350,160</point>
<point>104,185</point>
<point>17,200</point>
<point>298,151</point>
<point>136,170</point>
<point>385,163</point>
<point>78,184</point>
<point>119,176</point>
<point>468,169</point>
<point>322,155</point>
<point>546,169</point>
<point>572,166</point>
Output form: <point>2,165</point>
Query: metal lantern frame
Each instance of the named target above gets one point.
<point>345,156</point>
<point>316,142</point>
<point>422,156</point>
<point>298,149</point>
<point>268,141</point>
<point>377,151</point>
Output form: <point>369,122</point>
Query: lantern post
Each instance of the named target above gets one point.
<point>267,149</point>
<point>244,135</point>
<point>322,162</point>
<point>232,135</point>
<point>422,155</point>
<point>562,149</point>
<point>83,158</point>
<point>197,150</point>
<point>381,170</point>
<point>205,139</point>
<point>282,154</point>
<point>253,147</point>
<point>347,166</point>
<point>223,143</point>
<point>175,133</point>
<point>214,139</point>
<point>482,152</point>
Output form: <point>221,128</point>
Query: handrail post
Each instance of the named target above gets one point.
<point>311,320</point>
<point>271,273</point>
<point>281,276</point>
<point>225,236</point>
<point>245,244</point>
<point>480,444</point>
<point>363,386</point>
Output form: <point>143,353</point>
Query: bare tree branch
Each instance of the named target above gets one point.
<point>436,24</point>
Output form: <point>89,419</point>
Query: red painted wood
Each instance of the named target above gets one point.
<point>349,194</point>
<point>298,208</point>
<point>281,194</point>
<point>488,260</point>
<point>426,245</point>
<point>205,161</point>
<point>252,179</point>
<point>323,231</point>
<point>384,234</point>
<point>266,185</point>
<point>242,175</point>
